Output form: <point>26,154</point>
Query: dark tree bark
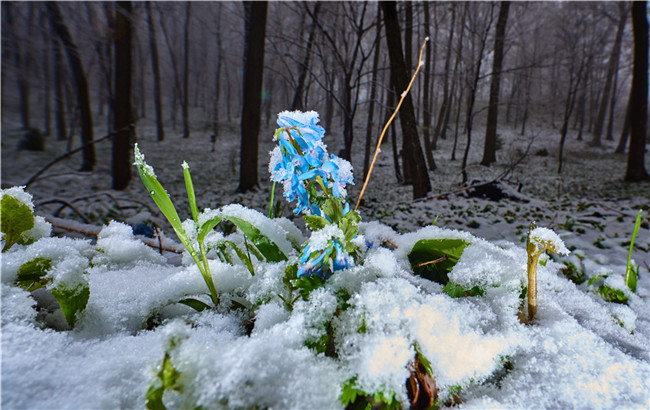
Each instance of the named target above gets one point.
<point>155,67</point>
<point>186,73</point>
<point>639,96</point>
<point>421,183</point>
<point>255,29</point>
<point>59,103</point>
<point>489,148</point>
<point>611,67</point>
<point>298,96</point>
<point>426,112</point>
<point>625,132</point>
<point>21,63</point>
<point>217,82</point>
<point>47,109</point>
<point>88,153</point>
<point>122,117</point>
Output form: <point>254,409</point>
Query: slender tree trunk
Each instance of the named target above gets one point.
<point>47,110</point>
<point>74,59</point>
<point>426,113</point>
<point>123,114</point>
<point>421,183</point>
<point>612,107</point>
<point>59,99</point>
<point>298,97</point>
<point>373,97</point>
<point>217,83</point>
<point>611,67</point>
<point>489,148</point>
<point>445,106</point>
<point>155,67</point>
<point>639,95</point>
<point>186,73</point>
<point>255,29</point>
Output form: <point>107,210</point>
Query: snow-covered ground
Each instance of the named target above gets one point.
<point>580,352</point>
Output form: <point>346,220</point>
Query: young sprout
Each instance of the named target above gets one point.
<point>538,241</point>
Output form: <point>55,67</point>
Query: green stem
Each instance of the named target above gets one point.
<point>319,179</point>
<point>271,204</point>
<point>207,276</point>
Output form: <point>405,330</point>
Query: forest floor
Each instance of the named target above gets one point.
<point>588,204</point>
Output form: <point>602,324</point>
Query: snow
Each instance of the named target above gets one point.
<point>581,351</point>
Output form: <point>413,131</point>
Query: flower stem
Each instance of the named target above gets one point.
<point>207,276</point>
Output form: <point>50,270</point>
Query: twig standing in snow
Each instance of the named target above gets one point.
<point>390,120</point>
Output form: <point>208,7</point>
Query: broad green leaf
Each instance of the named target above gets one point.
<point>595,279</point>
<point>31,274</point>
<point>457,291</point>
<point>161,198</point>
<point>315,222</point>
<point>333,208</point>
<point>15,218</point>
<point>267,247</point>
<point>190,192</point>
<point>434,258</point>
<point>195,304</point>
<point>208,226</point>
<point>350,225</point>
<point>630,272</point>
<point>72,301</point>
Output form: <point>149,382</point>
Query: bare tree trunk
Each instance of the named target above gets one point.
<point>373,97</point>
<point>59,106</point>
<point>47,110</point>
<point>298,97</point>
<point>88,153</point>
<point>426,112</point>
<point>421,183</point>
<point>186,73</point>
<point>445,107</point>
<point>613,63</point>
<point>625,132</point>
<point>217,82</point>
<point>123,114</point>
<point>255,29</point>
<point>639,95</point>
<point>612,107</point>
<point>489,148</point>
<point>155,67</point>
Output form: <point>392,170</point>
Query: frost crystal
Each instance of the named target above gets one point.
<point>139,162</point>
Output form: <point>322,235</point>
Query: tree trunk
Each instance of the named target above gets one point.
<point>47,110</point>
<point>426,112</point>
<point>186,73</point>
<point>122,110</point>
<point>613,63</point>
<point>59,105</point>
<point>74,59</point>
<point>255,29</point>
<point>625,132</point>
<point>421,183</point>
<point>298,97</point>
<point>489,148</point>
<point>373,97</point>
<point>639,95</point>
<point>445,106</point>
<point>217,83</point>
<point>155,67</point>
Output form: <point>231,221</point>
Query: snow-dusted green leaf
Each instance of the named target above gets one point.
<point>72,301</point>
<point>15,218</point>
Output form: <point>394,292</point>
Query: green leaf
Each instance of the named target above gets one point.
<point>630,273</point>
<point>306,284</point>
<point>457,291</point>
<point>595,279</point>
<point>445,251</point>
<point>315,222</point>
<point>195,304</point>
<point>350,225</point>
<point>290,274</point>
<point>267,247</point>
<point>191,196</point>
<point>333,207</point>
<point>30,275</point>
<point>16,218</point>
<point>72,301</point>
<point>168,378</point>
<point>161,198</point>
<point>242,256</point>
<point>208,226</point>
<point>573,273</point>
<point>349,394</point>
<point>612,295</point>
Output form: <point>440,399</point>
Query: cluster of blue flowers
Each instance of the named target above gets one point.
<point>313,179</point>
<point>300,161</point>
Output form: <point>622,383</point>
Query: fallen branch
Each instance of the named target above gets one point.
<point>93,230</point>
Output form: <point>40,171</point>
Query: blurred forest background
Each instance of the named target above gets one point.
<point>86,72</point>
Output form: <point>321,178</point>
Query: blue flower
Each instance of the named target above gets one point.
<point>312,261</point>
